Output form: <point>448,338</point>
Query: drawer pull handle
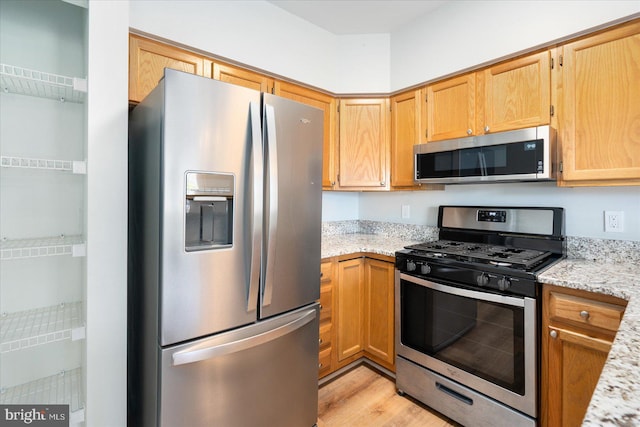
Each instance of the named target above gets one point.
<point>554,334</point>
<point>584,314</point>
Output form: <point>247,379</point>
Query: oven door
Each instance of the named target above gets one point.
<point>482,340</point>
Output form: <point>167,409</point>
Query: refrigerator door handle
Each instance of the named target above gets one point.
<point>204,351</point>
<point>271,146</point>
<point>256,231</point>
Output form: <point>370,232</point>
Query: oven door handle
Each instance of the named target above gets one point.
<point>482,296</point>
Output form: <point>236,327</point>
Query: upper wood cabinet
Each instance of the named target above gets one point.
<point>148,59</point>
<point>578,329</point>
<point>408,128</point>
<point>364,144</point>
<point>327,104</point>
<point>451,108</point>
<point>515,94</point>
<point>510,95</point>
<point>599,108</point>
<point>241,77</point>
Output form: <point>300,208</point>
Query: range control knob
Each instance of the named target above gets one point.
<point>482,280</point>
<point>411,266</point>
<point>425,268</point>
<point>504,283</point>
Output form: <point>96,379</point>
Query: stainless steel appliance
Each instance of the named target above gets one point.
<point>224,256</point>
<point>519,155</point>
<point>467,312</point>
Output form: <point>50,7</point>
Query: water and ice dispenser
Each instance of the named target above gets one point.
<point>208,210</point>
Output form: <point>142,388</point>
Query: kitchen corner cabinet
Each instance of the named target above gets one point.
<point>241,77</point>
<point>578,328</point>
<point>327,104</point>
<point>364,306</point>
<point>148,59</point>
<point>599,108</point>
<point>42,206</point>
<point>510,95</point>
<point>363,144</point>
<point>408,128</point>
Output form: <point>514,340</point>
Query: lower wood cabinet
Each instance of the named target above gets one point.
<point>578,328</point>
<point>363,311</point>
<point>326,364</point>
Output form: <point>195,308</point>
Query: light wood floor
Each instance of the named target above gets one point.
<point>364,398</point>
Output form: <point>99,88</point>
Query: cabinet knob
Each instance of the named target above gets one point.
<point>554,334</point>
<point>320,306</point>
<point>333,183</point>
<point>486,128</point>
<point>320,365</point>
<point>319,340</point>
<point>584,314</point>
<point>382,184</point>
<point>469,131</point>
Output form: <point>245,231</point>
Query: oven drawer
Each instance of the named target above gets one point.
<point>457,402</point>
<point>585,311</point>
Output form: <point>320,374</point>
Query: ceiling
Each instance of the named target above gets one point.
<point>358,16</point>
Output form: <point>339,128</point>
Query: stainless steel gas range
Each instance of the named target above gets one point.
<point>467,312</point>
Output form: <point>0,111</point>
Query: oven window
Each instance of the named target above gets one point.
<point>483,338</point>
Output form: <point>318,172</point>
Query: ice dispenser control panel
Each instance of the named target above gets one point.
<point>208,210</point>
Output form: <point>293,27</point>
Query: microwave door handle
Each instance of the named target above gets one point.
<point>256,213</point>
<point>271,146</point>
<point>204,351</point>
<point>483,163</point>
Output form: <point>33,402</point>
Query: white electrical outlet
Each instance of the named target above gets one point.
<point>614,221</point>
<point>406,211</point>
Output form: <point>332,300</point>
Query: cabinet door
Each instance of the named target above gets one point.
<point>378,310</point>
<point>350,304</point>
<point>600,108</point>
<point>451,109</point>
<point>241,77</point>
<point>575,363</point>
<point>406,130</point>
<point>149,58</point>
<point>516,94</point>
<point>327,104</point>
<point>364,163</point>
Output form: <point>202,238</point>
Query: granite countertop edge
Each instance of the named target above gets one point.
<point>616,400</point>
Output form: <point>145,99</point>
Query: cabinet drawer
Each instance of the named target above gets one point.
<point>326,294</point>
<point>325,336</point>
<point>326,272</point>
<point>586,311</point>
<point>324,360</point>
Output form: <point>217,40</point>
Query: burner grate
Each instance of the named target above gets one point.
<point>503,256</point>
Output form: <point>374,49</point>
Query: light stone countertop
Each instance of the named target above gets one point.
<point>616,400</point>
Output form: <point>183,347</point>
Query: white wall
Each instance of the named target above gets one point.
<point>584,207</point>
<point>264,36</point>
<point>465,33</point>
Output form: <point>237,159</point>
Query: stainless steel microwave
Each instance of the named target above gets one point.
<point>521,155</point>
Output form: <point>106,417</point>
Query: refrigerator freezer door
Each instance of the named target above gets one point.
<point>209,128</point>
<point>293,136</point>
<point>260,375</point>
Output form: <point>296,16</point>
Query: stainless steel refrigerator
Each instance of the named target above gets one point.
<point>224,256</point>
